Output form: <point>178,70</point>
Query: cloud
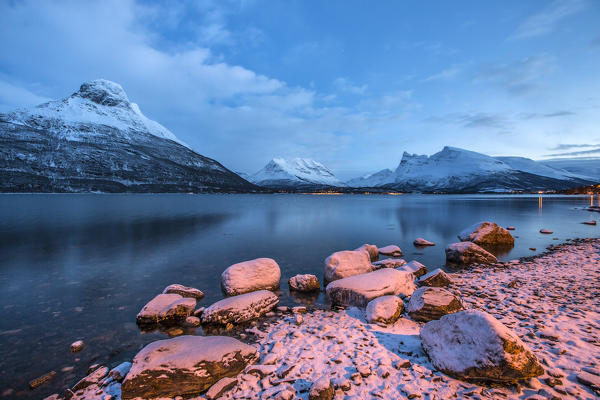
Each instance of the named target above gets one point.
<point>473,120</point>
<point>573,146</point>
<point>343,84</point>
<point>554,114</point>
<point>520,77</point>
<point>547,20</point>
<point>12,96</point>
<point>445,74</point>
<point>575,153</point>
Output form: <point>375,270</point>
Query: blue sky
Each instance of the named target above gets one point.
<point>352,84</point>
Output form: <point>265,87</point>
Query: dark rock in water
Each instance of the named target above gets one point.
<point>473,345</point>
<point>185,366</point>
<point>37,382</point>
<point>166,309</point>
<point>420,242</point>
<point>304,283</point>
<point>487,234</point>
<point>76,346</point>
<point>429,303</point>
<point>467,253</point>
<point>546,231</point>
<point>436,278</point>
<point>184,291</point>
<point>593,223</point>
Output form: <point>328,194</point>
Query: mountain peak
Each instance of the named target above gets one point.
<point>294,171</point>
<point>103,92</point>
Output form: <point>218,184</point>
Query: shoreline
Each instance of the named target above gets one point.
<point>551,300</point>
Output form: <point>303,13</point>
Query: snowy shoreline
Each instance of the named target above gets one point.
<point>550,300</point>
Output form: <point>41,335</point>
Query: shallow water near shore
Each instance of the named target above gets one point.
<point>81,266</point>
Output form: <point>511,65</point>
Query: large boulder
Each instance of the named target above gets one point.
<point>249,276</point>
<point>436,278</point>
<point>467,253</point>
<point>304,283</point>
<point>371,249</point>
<point>343,264</point>
<point>241,308</point>
<point>415,267</point>
<point>487,234</point>
<point>473,345</point>
<point>358,290</point>
<point>429,303</point>
<point>384,310</point>
<point>184,291</point>
<point>185,366</point>
<point>166,308</point>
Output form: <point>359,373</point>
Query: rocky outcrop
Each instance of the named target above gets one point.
<point>344,264</point>
<point>371,249</point>
<point>241,308</point>
<point>473,345</point>
<point>487,234</point>
<point>304,283</point>
<point>249,276</point>
<point>436,278</point>
<point>184,291</point>
<point>358,290</point>
<point>166,309</point>
<point>467,253</point>
<point>185,366</point>
<point>391,250</point>
<point>429,303</point>
<point>384,310</point>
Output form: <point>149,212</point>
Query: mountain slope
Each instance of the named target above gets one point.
<point>297,173</point>
<point>586,166</point>
<point>96,140</point>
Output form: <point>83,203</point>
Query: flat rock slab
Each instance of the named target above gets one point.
<point>384,310</point>
<point>467,253</point>
<point>304,283</point>
<point>250,276</point>
<point>358,290</point>
<point>185,366</point>
<point>486,234</point>
<point>242,308</point>
<point>429,303</point>
<point>436,278</point>
<point>473,345</point>
<point>166,308</point>
<point>184,291</point>
<point>343,264</point>
<point>391,250</point>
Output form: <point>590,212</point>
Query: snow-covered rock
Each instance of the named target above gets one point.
<point>166,308</point>
<point>467,253</point>
<point>420,242</point>
<point>371,249</point>
<point>415,267</point>
<point>389,263</point>
<point>358,290</point>
<point>221,387</point>
<point>384,310</point>
<point>429,303</point>
<point>119,372</point>
<point>249,276</point>
<point>343,264</point>
<point>486,234</point>
<point>294,173</point>
<point>436,278</point>
<point>184,291</point>
<point>241,308</point>
<point>304,283</point>
<point>321,389</point>
<point>391,250</point>
<point>185,366</point>
<point>97,140</point>
<point>474,345</point>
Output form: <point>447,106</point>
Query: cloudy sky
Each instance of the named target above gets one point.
<point>352,84</point>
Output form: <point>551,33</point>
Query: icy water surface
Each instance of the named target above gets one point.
<point>81,266</point>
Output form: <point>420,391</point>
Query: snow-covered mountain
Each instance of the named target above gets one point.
<point>297,173</point>
<point>458,170</point>
<point>585,166</point>
<point>97,140</point>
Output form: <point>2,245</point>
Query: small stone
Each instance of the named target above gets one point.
<point>299,310</point>
<point>436,278</point>
<point>192,321</point>
<point>184,291</point>
<point>546,231</point>
<point>219,388</point>
<point>304,283</point>
<point>420,242</point>
<point>298,320</point>
<point>401,363</point>
<point>322,389</point>
<point>76,346</point>
<point>37,382</point>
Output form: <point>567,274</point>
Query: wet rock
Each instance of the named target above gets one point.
<point>192,322</point>
<point>166,308</point>
<point>119,372</point>
<point>391,250</point>
<point>473,345</point>
<point>322,389</point>
<point>430,303</point>
<point>467,253</point>
<point>415,267</point>
<point>436,278</point>
<point>358,290</point>
<point>420,242</point>
<point>389,263</point>
<point>250,276</point>
<point>487,234</point>
<point>42,380</point>
<point>344,264</point>
<point>593,223</point>
<point>241,308</point>
<point>510,228</point>
<point>371,249</point>
<point>184,291</point>
<point>185,365</point>
<point>384,310</point>
<point>546,231</point>
<point>92,379</point>
<point>76,346</point>
<point>304,283</point>
<point>220,388</point>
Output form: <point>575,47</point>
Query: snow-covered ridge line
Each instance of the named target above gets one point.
<point>296,172</point>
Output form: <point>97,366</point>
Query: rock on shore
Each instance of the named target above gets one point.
<point>343,264</point>
<point>166,308</point>
<point>487,234</point>
<point>304,283</point>
<point>185,366</point>
<point>249,276</point>
<point>384,310</point>
<point>467,253</point>
<point>241,308</point>
<point>429,303</point>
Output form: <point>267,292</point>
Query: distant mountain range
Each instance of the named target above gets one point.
<point>97,140</point>
<point>297,173</point>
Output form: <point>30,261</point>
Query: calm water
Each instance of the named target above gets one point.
<point>81,266</point>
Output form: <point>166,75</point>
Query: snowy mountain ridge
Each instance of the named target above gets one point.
<point>294,173</point>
